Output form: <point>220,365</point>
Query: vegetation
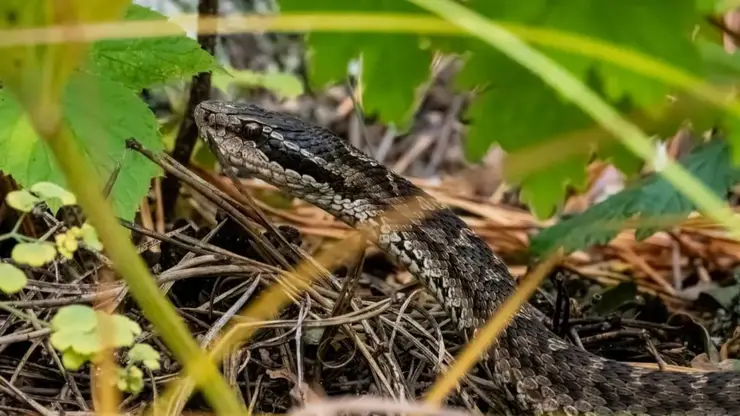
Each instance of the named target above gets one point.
<point>575,83</point>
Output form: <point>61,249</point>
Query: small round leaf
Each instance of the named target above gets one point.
<point>12,279</point>
<point>63,340</point>
<point>90,237</point>
<point>126,331</point>
<point>22,200</point>
<point>130,380</point>
<point>145,354</point>
<point>34,254</point>
<point>88,343</point>
<point>78,318</point>
<point>73,361</point>
<point>49,190</point>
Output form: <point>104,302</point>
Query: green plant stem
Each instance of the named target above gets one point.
<point>82,181</point>
<point>589,102</point>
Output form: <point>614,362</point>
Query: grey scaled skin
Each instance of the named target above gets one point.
<point>540,372</point>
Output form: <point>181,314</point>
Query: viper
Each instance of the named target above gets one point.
<point>540,372</point>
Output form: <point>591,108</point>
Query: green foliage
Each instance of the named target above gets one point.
<point>144,354</point>
<point>12,279</point>
<point>22,200</point>
<point>141,63</point>
<point>76,329</point>
<point>130,379</point>
<point>282,85</point>
<point>515,108</point>
<point>75,333</point>
<point>102,107</point>
<point>653,201</point>
<point>393,65</point>
<point>36,253</point>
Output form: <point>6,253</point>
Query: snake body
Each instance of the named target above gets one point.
<point>537,370</point>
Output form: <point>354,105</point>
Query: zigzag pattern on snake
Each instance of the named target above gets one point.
<point>543,373</point>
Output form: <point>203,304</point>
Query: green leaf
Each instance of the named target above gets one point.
<point>103,115</point>
<point>90,237</point>
<point>394,66</point>
<point>145,354</point>
<point>87,343</point>
<point>143,62</point>
<point>22,200</point>
<point>283,85</point>
<point>34,254</point>
<point>520,112</point>
<point>653,200</point>
<point>130,379</point>
<point>73,360</point>
<point>75,317</point>
<point>125,332</point>
<point>50,191</point>
<point>12,279</point>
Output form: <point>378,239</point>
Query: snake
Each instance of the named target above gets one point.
<point>537,372</point>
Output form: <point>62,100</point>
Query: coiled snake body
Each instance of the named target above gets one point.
<point>542,372</point>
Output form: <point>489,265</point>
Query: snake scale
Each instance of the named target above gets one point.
<point>537,370</point>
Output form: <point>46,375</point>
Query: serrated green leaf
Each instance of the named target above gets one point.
<point>79,318</point>
<point>394,66</point>
<point>103,115</point>
<point>22,200</point>
<point>520,112</point>
<point>34,254</point>
<point>652,200</point>
<point>12,279</point>
<point>146,61</point>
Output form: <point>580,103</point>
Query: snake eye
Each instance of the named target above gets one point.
<point>251,131</point>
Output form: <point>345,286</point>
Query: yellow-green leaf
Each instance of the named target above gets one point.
<point>12,279</point>
<point>90,237</point>
<point>145,354</point>
<point>77,317</point>
<point>73,360</point>
<point>22,200</point>
<point>283,85</point>
<point>49,190</point>
<point>34,254</point>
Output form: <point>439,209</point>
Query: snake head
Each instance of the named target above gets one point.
<point>232,134</point>
<point>280,149</point>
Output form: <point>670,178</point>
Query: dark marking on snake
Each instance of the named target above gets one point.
<point>543,373</point>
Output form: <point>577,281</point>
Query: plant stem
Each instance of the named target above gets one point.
<point>83,182</point>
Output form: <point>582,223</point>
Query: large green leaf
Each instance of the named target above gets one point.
<point>652,201</point>
<point>102,114</point>
<point>515,108</point>
<point>394,66</point>
<point>102,107</point>
<point>143,62</point>
<point>520,112</point>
